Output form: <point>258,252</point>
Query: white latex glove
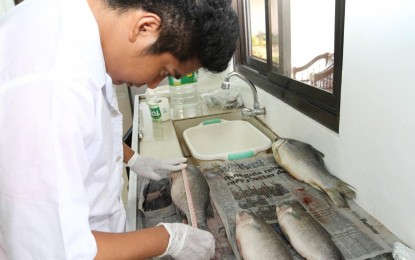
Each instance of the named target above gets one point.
<point>187,242</point>
<point>145,166</point>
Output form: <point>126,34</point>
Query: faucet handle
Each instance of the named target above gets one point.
<point>247,112</point>
<point>260,111</point>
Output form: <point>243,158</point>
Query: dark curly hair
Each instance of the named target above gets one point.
<point>202,29</point>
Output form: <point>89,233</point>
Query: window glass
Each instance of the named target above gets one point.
<point>302,35</point>
<point>275,40</point>
<point>258,41</point>
<point>293,49</point>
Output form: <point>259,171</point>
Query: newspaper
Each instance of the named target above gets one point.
<point>155,205</point>
<point>154,202</point>
<point>257,185</point>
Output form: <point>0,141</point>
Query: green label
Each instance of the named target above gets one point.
<point>189,78</point>
<point>155,112</point>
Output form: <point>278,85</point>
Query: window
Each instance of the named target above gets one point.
<point>293,50</point>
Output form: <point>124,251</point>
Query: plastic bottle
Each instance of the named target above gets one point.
<point>184,96</point>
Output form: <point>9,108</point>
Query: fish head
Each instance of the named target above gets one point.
<point>276,145</point>
<point>283,208</point>
<point>243,216</point>
<point>278,142</point>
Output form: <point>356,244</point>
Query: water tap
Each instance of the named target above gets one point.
<point>246,112</point>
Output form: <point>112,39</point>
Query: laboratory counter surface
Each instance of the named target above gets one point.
<point>164,141</point>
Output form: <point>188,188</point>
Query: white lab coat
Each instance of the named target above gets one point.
<point>60,134</point>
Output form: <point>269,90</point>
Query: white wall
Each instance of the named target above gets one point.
<point>374,150</point>
<point>5,5</point>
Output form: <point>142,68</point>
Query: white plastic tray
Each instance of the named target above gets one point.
<point>225,140</point>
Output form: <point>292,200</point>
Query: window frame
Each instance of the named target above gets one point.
<point>322,106</point>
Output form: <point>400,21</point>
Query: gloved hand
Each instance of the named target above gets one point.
<point>187,242</point>
<point>145,166</point>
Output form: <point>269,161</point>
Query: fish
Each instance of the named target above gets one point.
<point>200,192</point>
<point>305,163</point>
<point>256,239</point>
<point>305,234</point>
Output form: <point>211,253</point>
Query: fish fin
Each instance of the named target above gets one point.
<point>340,193</point>
<point>318,152</point>
<point>346,190</point>
<point>318,157</point>
<point>315,186</point>
<point>337,198</point>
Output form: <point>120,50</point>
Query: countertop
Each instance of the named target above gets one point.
<point>160,140</point>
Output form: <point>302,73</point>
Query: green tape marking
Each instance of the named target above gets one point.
<point>238,156</point>
<point>212,121</point>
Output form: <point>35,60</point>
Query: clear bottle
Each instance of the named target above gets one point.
<point>184,96</point>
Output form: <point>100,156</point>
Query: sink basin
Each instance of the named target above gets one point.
<point>218,139</point>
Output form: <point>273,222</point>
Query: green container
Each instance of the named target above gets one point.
<point>189,78</point>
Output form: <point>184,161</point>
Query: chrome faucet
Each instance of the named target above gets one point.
<point>246,112</point>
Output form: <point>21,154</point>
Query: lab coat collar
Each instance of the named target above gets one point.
<point>87,38</point>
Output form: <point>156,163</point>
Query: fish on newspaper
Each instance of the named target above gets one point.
<point>258,240</point>
<point>305,234</point>
<point>199,189</point>
<point>306,164</point>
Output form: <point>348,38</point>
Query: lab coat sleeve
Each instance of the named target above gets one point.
<point>43,207</point>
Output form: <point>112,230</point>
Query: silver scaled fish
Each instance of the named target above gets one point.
<point>199,189</point>
<point>257,239</point>
<point>305,234</point>
<point>306,164</point>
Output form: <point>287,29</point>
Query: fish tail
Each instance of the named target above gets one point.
<point>340,193</point>
<point>337,198</point>
<point>346,190</point>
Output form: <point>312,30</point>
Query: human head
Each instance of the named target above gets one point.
<point>206,30</point>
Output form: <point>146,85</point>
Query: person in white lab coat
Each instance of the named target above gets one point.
<point>61,151</point>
